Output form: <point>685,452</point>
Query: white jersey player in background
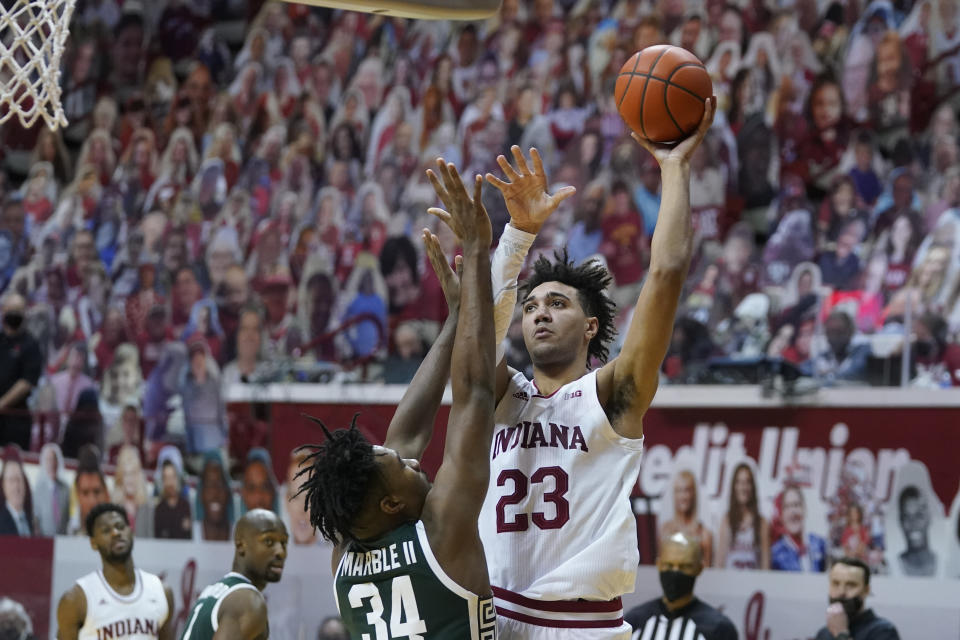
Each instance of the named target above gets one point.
<point>117,601</point>
<point>557,527</point>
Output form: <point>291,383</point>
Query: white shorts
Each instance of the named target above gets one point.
<point>508,629</point>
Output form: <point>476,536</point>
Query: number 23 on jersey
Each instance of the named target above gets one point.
<point>521,488</point>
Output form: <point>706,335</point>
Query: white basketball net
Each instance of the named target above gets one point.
<point>32,38</point>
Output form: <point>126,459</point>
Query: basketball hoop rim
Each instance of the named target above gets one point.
<point>415,9</point>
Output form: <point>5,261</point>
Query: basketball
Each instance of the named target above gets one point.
<point>660,93</point>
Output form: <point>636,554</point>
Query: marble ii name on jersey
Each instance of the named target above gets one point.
<point>216,591</point>
<point>366,563</point>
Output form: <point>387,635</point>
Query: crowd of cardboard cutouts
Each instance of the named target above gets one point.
<point>236,198</point>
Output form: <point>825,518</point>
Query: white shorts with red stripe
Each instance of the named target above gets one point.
<point>521,618</point>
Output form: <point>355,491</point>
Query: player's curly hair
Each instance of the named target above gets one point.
<point>590,279</point>
<point>338,476</point>
<point>99,510</point>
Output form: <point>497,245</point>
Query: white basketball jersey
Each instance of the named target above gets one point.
<point>557,523</point>
<point>137,616</point>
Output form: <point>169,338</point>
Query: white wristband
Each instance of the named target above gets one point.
<point>505,268</point>
<point>516,239</point>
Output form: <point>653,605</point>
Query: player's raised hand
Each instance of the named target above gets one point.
<point>526,195</point>
<point>449,278</point>
<point>681,151</point>
<point>465,216</point>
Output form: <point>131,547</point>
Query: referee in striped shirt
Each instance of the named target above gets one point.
<point>680,562</point>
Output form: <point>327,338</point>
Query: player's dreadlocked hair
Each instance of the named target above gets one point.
<point>339,473</point>
<point>590,279</point>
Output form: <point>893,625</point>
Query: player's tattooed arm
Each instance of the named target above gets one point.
<point>626,385</point>
<point>621,399</point>
<point>169,628</point>
<point>71,612</point>
<point>243,616</point>
<point>411,427</point>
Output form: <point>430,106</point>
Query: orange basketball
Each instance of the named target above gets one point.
<point>660,92</point>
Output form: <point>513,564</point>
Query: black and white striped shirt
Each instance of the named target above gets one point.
<point>696,621</point>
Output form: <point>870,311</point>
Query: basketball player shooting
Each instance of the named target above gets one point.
<point>233,607</point>
<point>118,600</point>
<point>556,525</point>
<point>407,560</point>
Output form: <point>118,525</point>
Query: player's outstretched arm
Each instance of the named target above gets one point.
<point>169,628</point>
<point>626,385</point>
<point>411,427</point>
<point>243,616</point>
<point>453,504</point>
<point>529,206</point>
<point>71,611</point>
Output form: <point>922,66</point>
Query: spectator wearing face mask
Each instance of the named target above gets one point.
<point>678,611</point>
<point>20,366</point>
<point>847,616</point>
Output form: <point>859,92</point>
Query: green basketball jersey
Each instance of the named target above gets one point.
<point>395,588</point>
<point>202,621</point>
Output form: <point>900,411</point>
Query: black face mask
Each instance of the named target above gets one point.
<point>851,606</point>
<point>13,319</point>
<point>924,348</point>
<point>676,584</point>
